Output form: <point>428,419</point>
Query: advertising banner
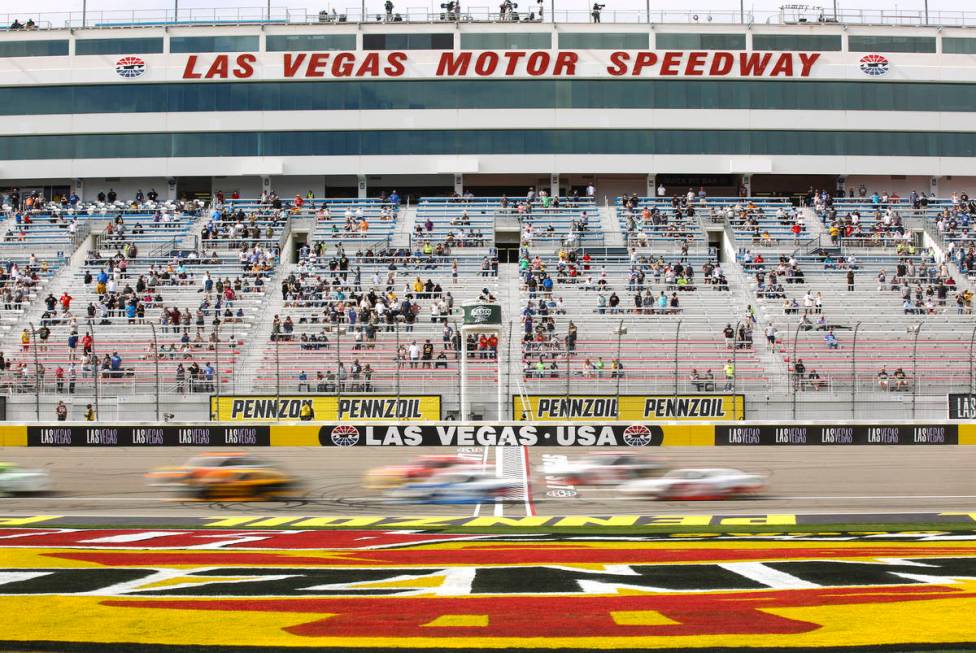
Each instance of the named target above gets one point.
<point>148,436</point>
<point>962,406</point>
<point>255,408</point>
<point>761,435</point>
<point>471,435</point>
<point>546,408</point>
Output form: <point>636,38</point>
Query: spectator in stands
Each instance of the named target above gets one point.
<point>25,338</point>
<point>89,413</point>
<point>61,411</point>
<point>831,340</point>
<point>901,381</point>
<point>729,370</point>
<point>799,370</point>
<point>883,378</point>
<point>815,381</point>
<point>729,334</point>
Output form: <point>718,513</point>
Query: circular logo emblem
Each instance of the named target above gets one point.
<point>637,435</point>
<point>874,65</point>
<point>130,67</point>
<point>345,435</point>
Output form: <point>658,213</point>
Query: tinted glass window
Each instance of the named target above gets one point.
<point>858,43</point>
<point>408,41</point>
<point>512,141</point>
<point>603,41</point>
<point>958,46</point>
<point>213,44</point>
<point>309,42</point>
<point>33,48</point>
<point>119,46</point>
<point>507,41</point>
<point>797,42</point>
<point>489,94</point>
<point>700,41</point>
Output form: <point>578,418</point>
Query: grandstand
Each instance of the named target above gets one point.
<point>230,206</point>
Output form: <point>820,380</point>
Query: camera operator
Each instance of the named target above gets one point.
<point>597,8</point>
<point>506,10</point>
<point>388,6</point>
<point>452,10</point>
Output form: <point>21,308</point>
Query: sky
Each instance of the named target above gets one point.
<point>26,8</point>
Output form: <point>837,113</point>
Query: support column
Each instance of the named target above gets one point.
<point>934,185</point>
<point>651,188</point>
<point>363,189</point>
<point>265,185</point>
<point>459,184</point>
<point>554,185</point>
<point>841,185</point>
<point>171,189</point>
<point>747,184</point>
<point>79,188</point>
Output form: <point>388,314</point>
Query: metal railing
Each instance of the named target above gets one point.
<point>177,15</point>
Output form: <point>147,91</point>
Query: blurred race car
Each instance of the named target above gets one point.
<point>242,484</point>
<point>456,487</point>
<point>607,469</point>
<point>225,477</point>
<point>199,466</point>
<point>697,485</point>
<point>418,469</point>
<point>15,479</point>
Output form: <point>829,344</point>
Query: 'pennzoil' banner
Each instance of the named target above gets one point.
<point>268,408</point>
<point>545,408</point>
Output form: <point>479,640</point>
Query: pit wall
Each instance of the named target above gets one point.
<point>455,434</point>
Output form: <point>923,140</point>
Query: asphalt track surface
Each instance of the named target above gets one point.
<point>801,480</point>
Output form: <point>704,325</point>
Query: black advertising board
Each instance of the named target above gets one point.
<point>467,435</point>
<point>962,406</point>
<point>777,435</point>
<point>148,436</point>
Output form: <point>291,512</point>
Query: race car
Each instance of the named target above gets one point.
<point>242,484</point>
<point>697,485</point>
<point>225,477</point>
<point>453,487</point>
<point>611,468</point>
<point>19,480</point>
<point>418,469</point>
<point>199,466</point>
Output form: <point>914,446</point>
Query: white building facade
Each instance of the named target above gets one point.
<point>350,109</point>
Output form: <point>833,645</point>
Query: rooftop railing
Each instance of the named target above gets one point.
<point>528,12</point>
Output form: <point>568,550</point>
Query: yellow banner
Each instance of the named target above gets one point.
<point>548,408</point>
<point>365,408</point>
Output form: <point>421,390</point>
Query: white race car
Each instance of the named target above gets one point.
<point>697,485</point>
<point>609,468</point>
<point>452,487</point>
<point>18,480</point>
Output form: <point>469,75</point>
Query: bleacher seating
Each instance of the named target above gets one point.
<point>354,311</point>
<point>887,298</point>
<point>583,294</point>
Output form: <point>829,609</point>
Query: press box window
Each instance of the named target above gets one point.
<point>507,41</point>
<point>860,43</point>
<point>408,41</point>
<point>310,42</point>
<point>603,41</point>
<point>181,44</point>
<point>118,46</point>
<point>701,41</point>
<point>33,48</point>
<point>797,42</point>
<point>958,46</point>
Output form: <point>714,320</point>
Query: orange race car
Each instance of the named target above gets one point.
<point>225,476</point>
